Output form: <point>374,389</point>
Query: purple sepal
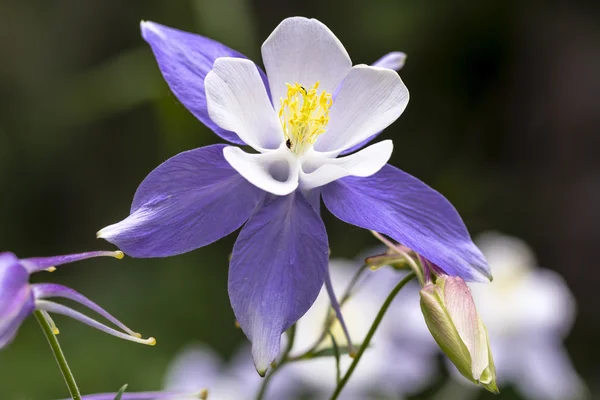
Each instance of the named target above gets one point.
<point>16,299</point>
<point>335,304</point>
<point>401,206</point>
<point>187,202</point>
<point>13,278</point>
<point>394,60</point>
<point>277,270</point>
<point>24,306</point>
<point>184,60</point>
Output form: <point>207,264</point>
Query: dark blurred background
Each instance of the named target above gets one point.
<point>504,119</point>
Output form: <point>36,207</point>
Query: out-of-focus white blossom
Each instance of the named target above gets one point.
<point>528,312</point>
<point>198,367</point>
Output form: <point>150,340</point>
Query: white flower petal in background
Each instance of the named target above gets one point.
<point>528,312</point>
<point>198,367</point>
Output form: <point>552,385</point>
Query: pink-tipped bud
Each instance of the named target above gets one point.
<point>453,321</point>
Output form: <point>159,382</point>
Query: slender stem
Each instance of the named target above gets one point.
<point>336,352</point>
<point>58,355</point>
<point>372,330</point>
<point>291,334</point>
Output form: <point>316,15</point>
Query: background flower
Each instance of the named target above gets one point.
<point>529,311</point>
<point>198,366</point>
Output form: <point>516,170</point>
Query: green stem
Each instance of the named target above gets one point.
<point>365,344</point>
<point>58,355</point>
<point>336,352</point>
<point>291,333</point>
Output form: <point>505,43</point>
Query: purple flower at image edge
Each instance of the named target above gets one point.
<point>19,299</point>
<point>310,107</point>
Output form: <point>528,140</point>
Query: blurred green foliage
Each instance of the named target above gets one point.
<point>503,118</point>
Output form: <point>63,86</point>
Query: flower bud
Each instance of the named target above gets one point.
<point>453,321</point>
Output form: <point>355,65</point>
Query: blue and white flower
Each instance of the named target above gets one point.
<point>306,120</point>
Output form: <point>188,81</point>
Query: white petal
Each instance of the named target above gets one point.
<point>318,170</point>
<point>394,60</point>
<point>275,171</point>
<point>237,101</point>
<point>195,367</point>
<point>370,99</point>
<point>305,51</point>
<point>547,372</point>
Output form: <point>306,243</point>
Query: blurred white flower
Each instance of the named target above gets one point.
<point>198,367</point>
<point>528,312</point>
<point>401,358</point>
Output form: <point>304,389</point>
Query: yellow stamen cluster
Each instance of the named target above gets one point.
<point>304,115</point>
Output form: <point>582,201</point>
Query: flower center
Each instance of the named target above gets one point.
<point>304,115</point>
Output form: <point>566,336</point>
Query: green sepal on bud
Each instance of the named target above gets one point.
<point>452,319</point>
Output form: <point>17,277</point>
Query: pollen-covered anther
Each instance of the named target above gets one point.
<point>55,330</point>
<point>150,341</point>
<point>304,114</point>
<point>118,255</point>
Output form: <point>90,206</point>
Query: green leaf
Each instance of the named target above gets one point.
<point>120,392</point>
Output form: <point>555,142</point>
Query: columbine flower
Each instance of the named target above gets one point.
<point>311,107</point>
<point>529,312</point>
<point>401,357</point>
<point>452,319</point>
<point>197,372</point>
<point>19,298</point>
